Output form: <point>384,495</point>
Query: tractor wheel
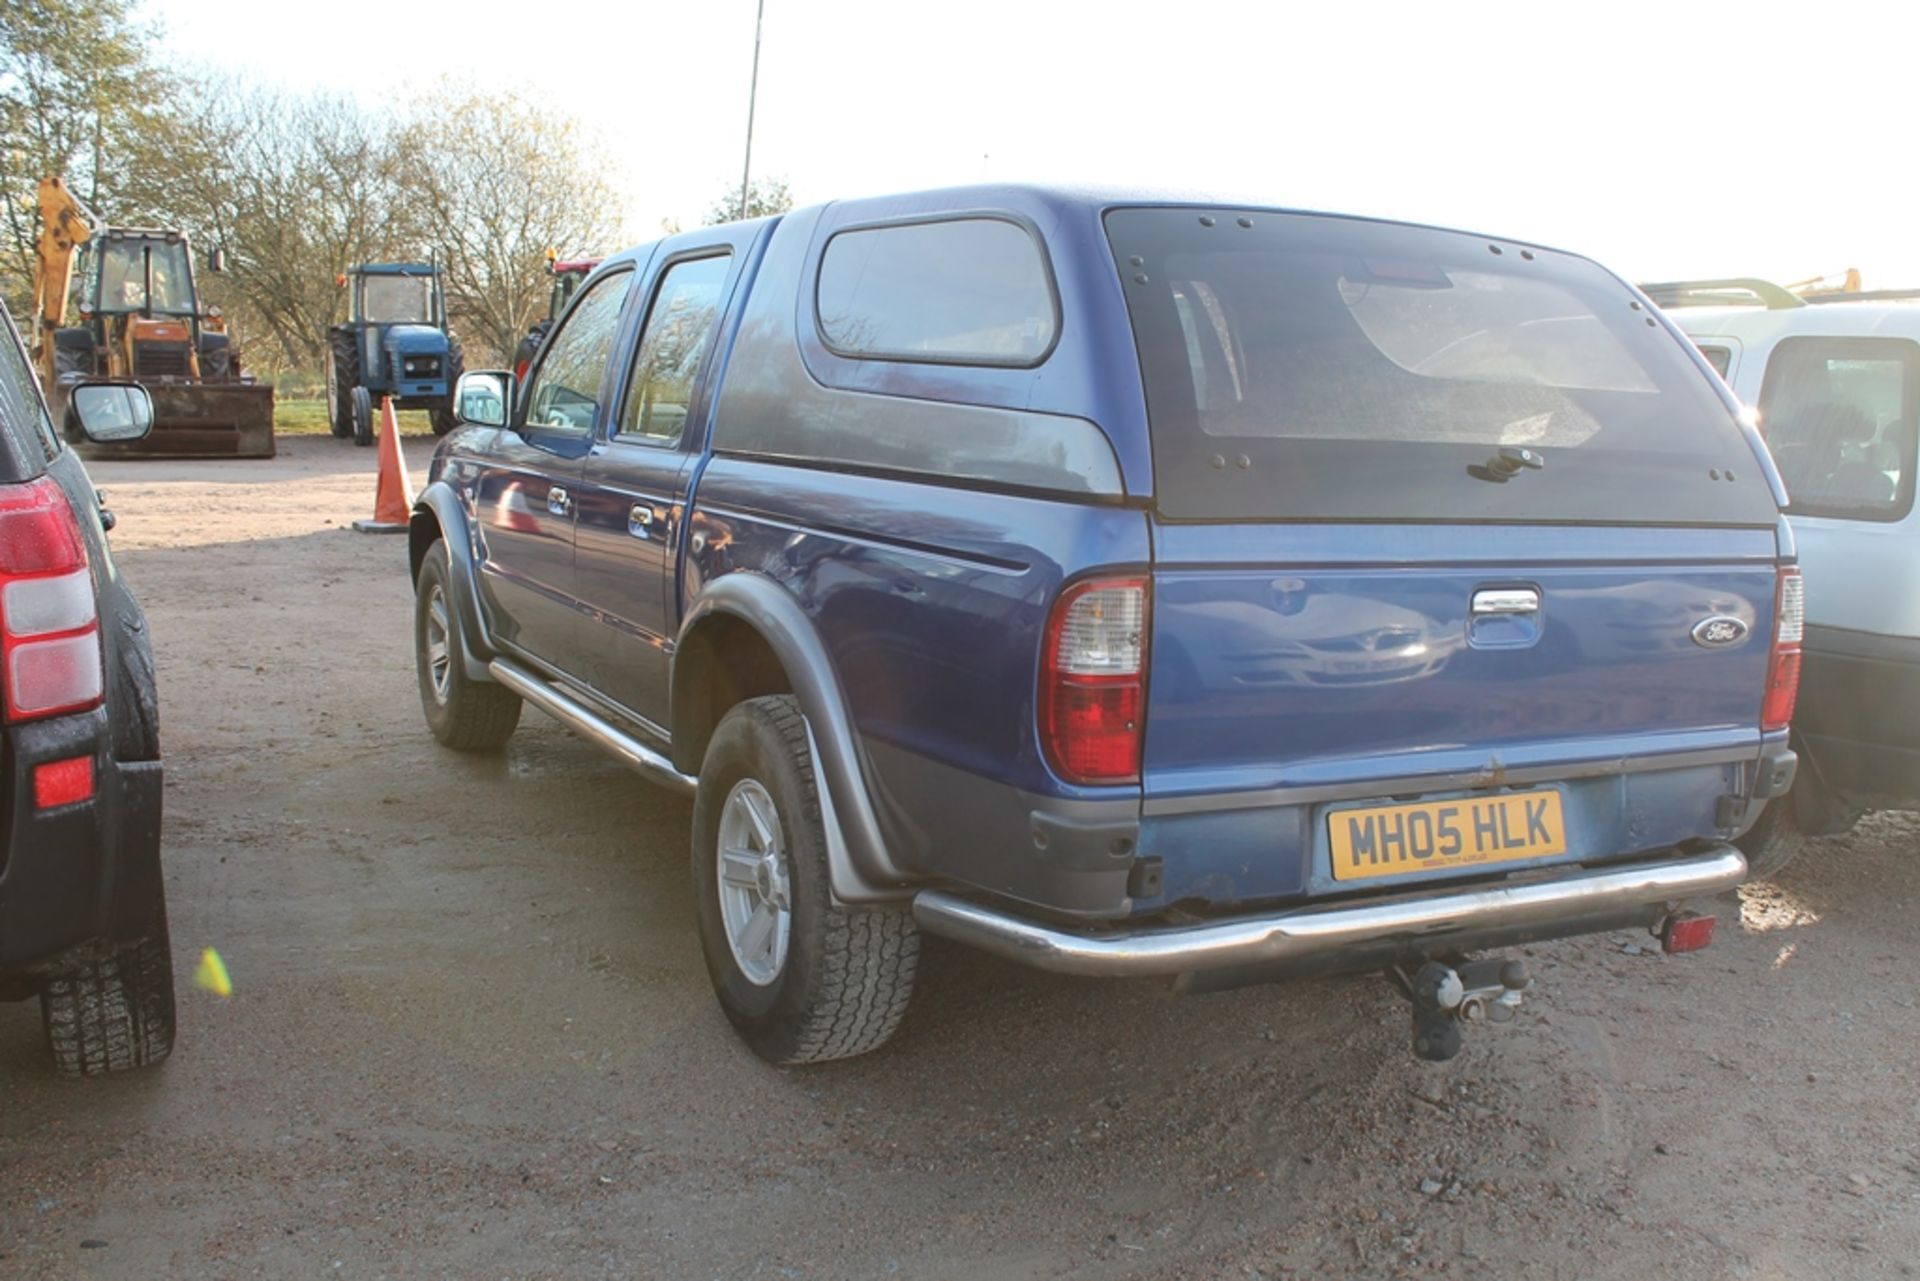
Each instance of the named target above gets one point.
<point>443,419</point>
<point>362,416</point>
<point>343,375</point>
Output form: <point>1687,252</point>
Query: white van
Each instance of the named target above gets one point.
<point>1836,383</point>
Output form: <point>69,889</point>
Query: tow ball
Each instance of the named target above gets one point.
<point>1446,998</point>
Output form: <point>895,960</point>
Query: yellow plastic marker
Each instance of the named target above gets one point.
<point>212,974</point>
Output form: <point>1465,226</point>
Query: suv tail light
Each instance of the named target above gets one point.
<point>49,630</point>
<point>1093,681</point>
<point>1783,666</point>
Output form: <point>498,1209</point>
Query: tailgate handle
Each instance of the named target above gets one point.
<point>1506,600</point>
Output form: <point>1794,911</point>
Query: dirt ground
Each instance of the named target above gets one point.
<point>470,1034</point>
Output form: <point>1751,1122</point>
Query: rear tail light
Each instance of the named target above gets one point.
<point>1783,666</point>
<point>49,630</point>
<point>1093,681</point>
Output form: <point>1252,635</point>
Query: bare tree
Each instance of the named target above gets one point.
<point>490,183</point>
<point>296,189</point>
<point>764,196</point>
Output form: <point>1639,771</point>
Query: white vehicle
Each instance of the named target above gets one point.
<point>1835,380</point>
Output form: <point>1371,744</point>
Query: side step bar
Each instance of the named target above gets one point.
<point>592,726</point>
<point>1300,934</point>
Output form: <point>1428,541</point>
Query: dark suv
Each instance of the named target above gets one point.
<point>1128,588</point>
<point>83,919</point>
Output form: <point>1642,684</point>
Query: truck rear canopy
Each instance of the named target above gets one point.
<point>1309,367</point>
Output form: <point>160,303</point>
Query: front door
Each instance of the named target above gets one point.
<point>636,479</point>
<point>526,493</point>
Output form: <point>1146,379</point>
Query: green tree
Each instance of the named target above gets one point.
<point>78,98</point>
<point>765,196</point>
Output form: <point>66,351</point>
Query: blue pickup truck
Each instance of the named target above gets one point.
<point>1127,587</point>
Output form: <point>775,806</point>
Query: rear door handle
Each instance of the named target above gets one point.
<point>558,501</point>
<point>1506,600</point>
<point>640,521</point>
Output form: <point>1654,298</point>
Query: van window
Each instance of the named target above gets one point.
<point>686,310</point>
<point>1839,416</point>
<point>565,392</point>
<point>1305,367</point>
<point>969,291</point>
<point>1721,358</point>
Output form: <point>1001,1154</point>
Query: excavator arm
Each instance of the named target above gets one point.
<point>65,225</point>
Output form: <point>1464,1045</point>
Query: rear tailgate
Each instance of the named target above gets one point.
<point>1318,667</point>
<point>1462,564</point>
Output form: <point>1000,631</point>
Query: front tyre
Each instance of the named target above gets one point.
<point>464,714</point>
<point>804,979</point>
<point>362,416</point>
<point>443,417</point>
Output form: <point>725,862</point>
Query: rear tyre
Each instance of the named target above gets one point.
<point>464,714</point>
<point>443,420</point>
<point>343,375</point>
<point>113,1012</point>
<point>804,979</point>
<point>362,416</point>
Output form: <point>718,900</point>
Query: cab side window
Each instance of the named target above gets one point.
<point>564,394</point>
<point>680,328</point>
<point>1840,415</point>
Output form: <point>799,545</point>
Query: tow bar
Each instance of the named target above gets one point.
<point>1444,998</point>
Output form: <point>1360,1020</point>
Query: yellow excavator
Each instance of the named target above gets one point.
<point>138,317</point>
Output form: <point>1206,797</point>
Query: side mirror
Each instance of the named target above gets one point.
<point>480,399</point>
<point>110,413</point>
<point>217,260</point>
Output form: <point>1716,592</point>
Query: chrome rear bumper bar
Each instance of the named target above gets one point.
<point>1299,934</point>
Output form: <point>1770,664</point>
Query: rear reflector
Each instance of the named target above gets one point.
<point>1783,666</point>
<point>1686,932</point>
<point>67,782</point>
<point>1093,681</point>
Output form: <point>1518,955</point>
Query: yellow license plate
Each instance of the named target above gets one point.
<point>1435,836</point>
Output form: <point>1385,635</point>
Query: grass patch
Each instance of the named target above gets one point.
<point>308,417</point>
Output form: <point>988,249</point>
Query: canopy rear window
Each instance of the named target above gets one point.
<point>1317,368</point>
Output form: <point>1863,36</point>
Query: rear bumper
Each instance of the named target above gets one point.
<point>1353,935</point>
<point>79,876</point>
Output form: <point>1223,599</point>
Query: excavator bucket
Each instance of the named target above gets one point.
<point>202,420</point>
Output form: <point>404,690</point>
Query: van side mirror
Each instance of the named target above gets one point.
<point>217,260</point>
<point>480,398</point>
<point>109,413</point>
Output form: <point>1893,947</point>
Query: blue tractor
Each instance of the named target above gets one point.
<point>396,343</point>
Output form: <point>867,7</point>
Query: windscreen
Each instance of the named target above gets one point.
<point>1318,368</point>
<point>124,277</point>
<point>397,300</point>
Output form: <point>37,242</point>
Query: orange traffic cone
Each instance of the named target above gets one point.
<point>393,499</point>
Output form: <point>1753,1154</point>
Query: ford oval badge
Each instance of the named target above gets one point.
<point>1718,631</point>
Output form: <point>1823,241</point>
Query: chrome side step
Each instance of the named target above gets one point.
<point>591,725</point>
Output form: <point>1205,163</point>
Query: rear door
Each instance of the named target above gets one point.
<point>635,482</point>
<point>1439,519</point>
<point>526,486</point>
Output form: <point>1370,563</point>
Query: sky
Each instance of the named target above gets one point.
<point>1667,140</point>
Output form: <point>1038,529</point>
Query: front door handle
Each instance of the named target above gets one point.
<point>640,521</point>
<point>558,501</point>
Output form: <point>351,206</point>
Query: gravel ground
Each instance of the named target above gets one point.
<point>470,1033</point>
